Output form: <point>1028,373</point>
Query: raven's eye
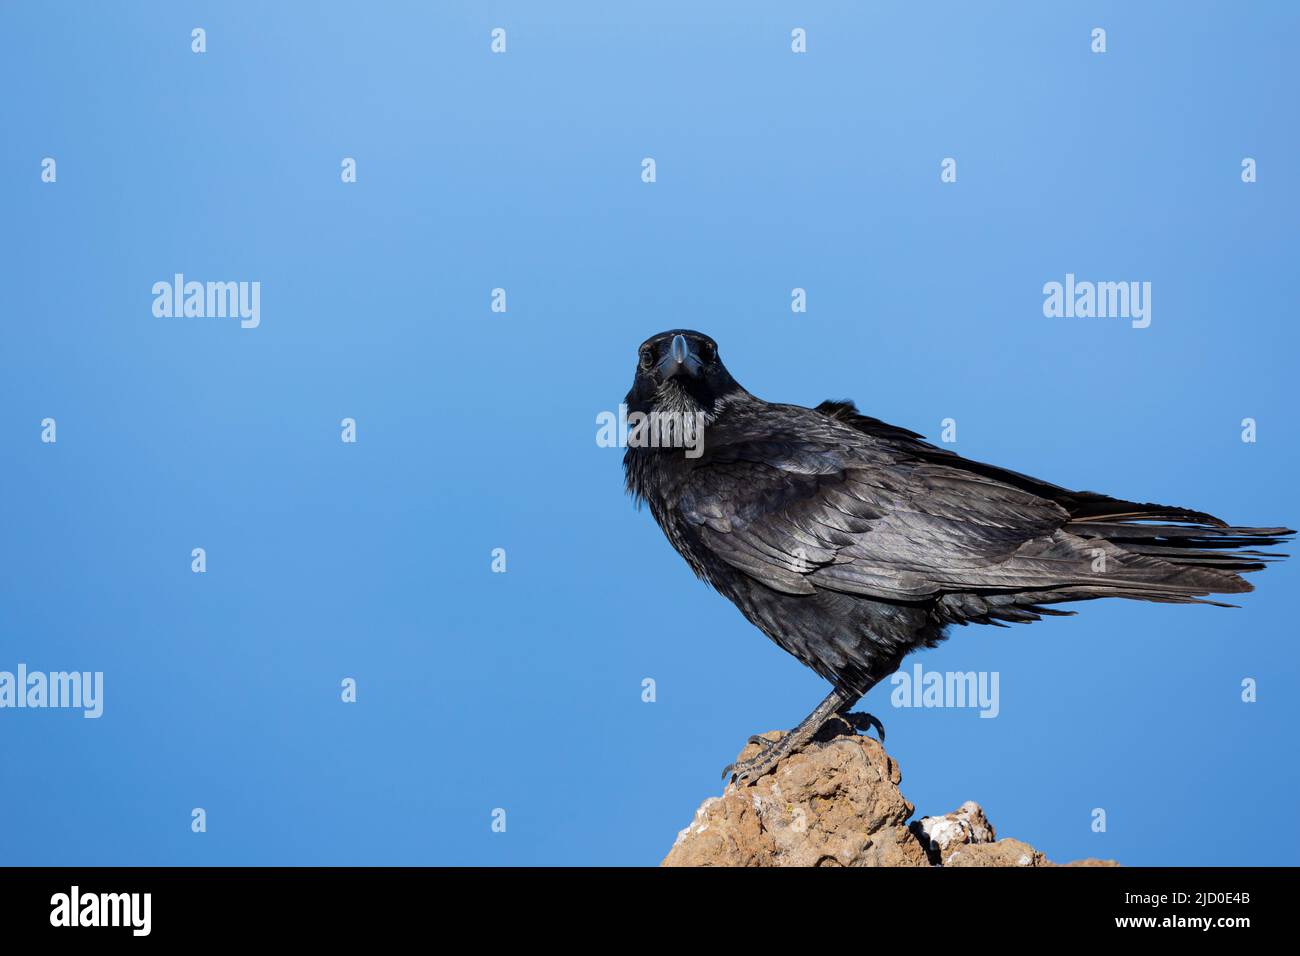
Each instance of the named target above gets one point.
<point>708,351</point>
<point>647,358</point>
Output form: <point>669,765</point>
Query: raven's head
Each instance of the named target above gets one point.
<point>680,372</point>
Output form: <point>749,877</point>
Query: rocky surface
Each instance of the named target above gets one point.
<point>838,804</point>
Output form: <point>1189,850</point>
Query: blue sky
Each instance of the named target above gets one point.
<point>476,430</point>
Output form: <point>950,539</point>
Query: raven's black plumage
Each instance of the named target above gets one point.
<point>850,542</point>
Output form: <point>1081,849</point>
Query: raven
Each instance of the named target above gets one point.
<point>850,542</point>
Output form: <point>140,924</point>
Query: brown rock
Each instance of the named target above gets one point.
<point>837,803</point>
<point>1000,853</point>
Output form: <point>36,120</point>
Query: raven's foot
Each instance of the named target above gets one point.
<point>774,751</point>
<point>770,753</point>
<point>863,723</point>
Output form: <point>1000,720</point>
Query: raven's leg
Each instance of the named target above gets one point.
<point>747,771</point>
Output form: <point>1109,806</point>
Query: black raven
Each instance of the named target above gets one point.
<point>850,542</point>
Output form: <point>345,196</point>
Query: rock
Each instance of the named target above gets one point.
<point>965,825</point>
<point>837,803</point>
<point>999,853</point>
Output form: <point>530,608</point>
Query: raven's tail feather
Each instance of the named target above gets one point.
<point>1162,563</point>
<point>1191,560</point>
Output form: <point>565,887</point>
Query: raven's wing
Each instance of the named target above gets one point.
<point>872,516</point>
<point>1082,505</point>
<point>798,515</point>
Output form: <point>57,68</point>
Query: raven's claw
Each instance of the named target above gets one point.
<point>771,753</point>
<point>747,771</point>
<point>863,722</point>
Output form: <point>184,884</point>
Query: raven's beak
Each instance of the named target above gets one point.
<point>679,359</point>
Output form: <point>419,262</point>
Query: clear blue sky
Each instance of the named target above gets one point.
<point>476,430</point>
